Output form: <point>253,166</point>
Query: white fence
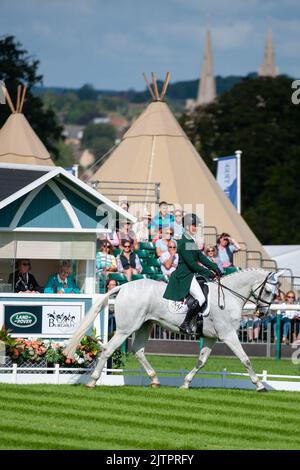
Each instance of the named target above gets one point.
<point>170,378</point>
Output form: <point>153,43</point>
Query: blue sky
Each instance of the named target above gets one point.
<point>109,43</point>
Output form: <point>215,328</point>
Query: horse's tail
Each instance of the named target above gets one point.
<point>87,322</point>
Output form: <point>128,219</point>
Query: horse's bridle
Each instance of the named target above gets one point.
<point>258,298</point>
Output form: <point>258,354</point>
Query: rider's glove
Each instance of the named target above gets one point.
<point>218,272</point>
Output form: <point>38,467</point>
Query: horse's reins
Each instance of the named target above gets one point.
<point>258,298</point>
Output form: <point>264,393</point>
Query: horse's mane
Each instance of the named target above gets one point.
<point>228,276</point>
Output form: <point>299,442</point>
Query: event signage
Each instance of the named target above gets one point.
<point>48,319</point>
<point>227,177</point>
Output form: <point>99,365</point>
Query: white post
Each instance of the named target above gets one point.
<point>56,373</point>
<point>15,372</point>
<point>75,169</point>
<point>238,154</point>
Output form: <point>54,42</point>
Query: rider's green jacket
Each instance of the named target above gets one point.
<point>189,256</point>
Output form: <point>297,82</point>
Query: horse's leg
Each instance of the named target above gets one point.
<point>208,344</point>
<point>108,349</point>
<point>140,338</point>
<point>234,344</point>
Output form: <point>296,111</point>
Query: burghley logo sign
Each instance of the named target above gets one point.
<point>50,320</point>
<point>61,319</point>
<point>23,319</point>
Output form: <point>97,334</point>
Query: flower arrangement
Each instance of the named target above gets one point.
<point>34,350</point>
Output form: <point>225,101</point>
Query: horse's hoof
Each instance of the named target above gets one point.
<point>155,385</point>
<point>91,384</point>
<point>262,390</point>
<point>184,387</point>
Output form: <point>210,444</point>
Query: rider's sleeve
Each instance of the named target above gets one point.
<point>206,262</point>
<point>194,266</point>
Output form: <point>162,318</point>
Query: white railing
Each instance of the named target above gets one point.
<point>119,377</point>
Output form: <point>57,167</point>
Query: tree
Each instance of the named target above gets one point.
<point>258,117</point>
<point>17,67</point>
<point>98,138</point>
<point>87,92</point>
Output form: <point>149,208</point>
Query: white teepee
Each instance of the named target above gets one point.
<point>18,141</point>
<point>156,149</point>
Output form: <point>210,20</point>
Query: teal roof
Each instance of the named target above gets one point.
<point>56,200</point>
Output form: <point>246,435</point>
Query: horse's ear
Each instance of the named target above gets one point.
<point>278,274</point>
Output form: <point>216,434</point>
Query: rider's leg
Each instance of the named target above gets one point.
<point>197,294</point>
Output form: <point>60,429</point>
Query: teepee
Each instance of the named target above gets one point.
<point>18,141</point>
<point>156,149</point>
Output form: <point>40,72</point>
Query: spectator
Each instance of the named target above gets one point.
<point>162,220</point>
<point>252,323</point>
<point>125,233</point>
<point>178,227</point>
<point>105,260</point>
<point>141,228</point>
<point>161,245</point>
<point>226,247</point>
<point>62,282</point>
<point>288,316</point>
<point>22,279</point>
<point>212,254</point>
<point>128,261</point>
<point>169,259</point>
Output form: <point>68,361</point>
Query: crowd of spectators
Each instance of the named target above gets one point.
<point>120,252</point>
<point>256,329</point>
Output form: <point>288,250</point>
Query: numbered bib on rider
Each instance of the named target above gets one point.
<point>177,307</point>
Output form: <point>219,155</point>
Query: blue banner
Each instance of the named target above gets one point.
<point>227,177</point>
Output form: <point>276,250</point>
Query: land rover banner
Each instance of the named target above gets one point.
<point>46,320</point>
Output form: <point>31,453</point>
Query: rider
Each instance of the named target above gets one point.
<point>183,280</point>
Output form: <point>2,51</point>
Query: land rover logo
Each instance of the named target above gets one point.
<point>23,319</point>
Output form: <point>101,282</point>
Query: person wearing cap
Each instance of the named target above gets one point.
<point>183,280</point>
<point>141,227</point>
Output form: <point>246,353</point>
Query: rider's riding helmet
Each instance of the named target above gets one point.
<point>190,219</point>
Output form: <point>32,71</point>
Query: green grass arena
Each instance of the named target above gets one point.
<point>72,417</point>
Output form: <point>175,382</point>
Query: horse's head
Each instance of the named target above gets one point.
<point>265,292</point>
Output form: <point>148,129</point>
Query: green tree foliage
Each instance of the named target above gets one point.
<point>258,117</point>
<point>17,67</point>
<point>98,138</point>
<point>87,92</point>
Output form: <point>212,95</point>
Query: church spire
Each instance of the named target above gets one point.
<point>268,68</point>
<point>207,85</point>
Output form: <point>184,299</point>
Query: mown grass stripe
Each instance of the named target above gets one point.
<point>141,418</point>
<point>192,425</point>
<point>161,403</point>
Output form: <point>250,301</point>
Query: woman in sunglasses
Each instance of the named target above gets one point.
<point>212,254</point>
<point>22,279</point>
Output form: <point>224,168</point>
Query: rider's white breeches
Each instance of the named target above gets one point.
<point>196,292</point>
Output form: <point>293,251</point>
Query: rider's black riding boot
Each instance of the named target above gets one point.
<point>194,309</point>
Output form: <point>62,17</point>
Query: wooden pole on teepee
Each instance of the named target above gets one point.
<point>18,99</point>
<point>165,86</point>
<point>149,87</point>
<point>23,98</point>
<point>155,86</point>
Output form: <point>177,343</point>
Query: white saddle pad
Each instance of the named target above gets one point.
<point>177,307</point>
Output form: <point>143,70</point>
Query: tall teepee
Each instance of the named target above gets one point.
<point>156,149</point>
<point>268,68</point>
<point>18,141</point>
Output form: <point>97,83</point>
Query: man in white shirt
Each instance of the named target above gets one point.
<point>169,259</point>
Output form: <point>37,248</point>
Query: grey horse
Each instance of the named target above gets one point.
<point>140,304</point>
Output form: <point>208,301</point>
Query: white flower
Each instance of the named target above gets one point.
<point>80,360</point>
